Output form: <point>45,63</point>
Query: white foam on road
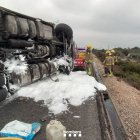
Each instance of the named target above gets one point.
<point>18,66</point>
<point>73,89</point>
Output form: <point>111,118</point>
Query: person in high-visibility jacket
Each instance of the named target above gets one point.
<point>89,61</point>
<point>108,62</point>
<point>115,59</point>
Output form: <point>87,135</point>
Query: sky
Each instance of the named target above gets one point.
<point>100,23</point>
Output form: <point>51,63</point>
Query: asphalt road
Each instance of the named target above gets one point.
<point>28,111</point>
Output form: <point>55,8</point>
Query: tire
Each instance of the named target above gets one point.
<point>48,32</point>
<point>13,43</point>
<point>40,32</point>
<point>43,70</point>
<point>10,26</point>
<point>40,50</point>
<point>2,79</point>
<point>32,29</point>
<point>1,67</point>
<point>3,94</point>
<point>44,32</point>
<point>61,29</point>
<point>23,27</point>
<point>46,50</point>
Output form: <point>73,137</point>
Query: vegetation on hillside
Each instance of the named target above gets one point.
<point>129,71</point>
<point>128,65</point>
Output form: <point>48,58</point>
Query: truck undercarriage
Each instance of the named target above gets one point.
<point>29,48</point>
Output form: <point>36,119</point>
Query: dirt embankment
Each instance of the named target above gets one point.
<point>126,100</point>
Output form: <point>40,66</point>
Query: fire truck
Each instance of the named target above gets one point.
<point>79,58</point>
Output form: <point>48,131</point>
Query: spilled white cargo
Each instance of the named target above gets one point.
<point>73,89</point>
<point>18,66</point>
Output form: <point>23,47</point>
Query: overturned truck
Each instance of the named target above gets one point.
<point>28,49</point>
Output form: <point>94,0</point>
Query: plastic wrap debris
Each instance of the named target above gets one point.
<point>20,130</point>
<point>10,138</point>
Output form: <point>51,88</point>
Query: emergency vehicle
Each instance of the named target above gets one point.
<point>79,61</point>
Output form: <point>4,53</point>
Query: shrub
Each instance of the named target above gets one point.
<point>129,71</point>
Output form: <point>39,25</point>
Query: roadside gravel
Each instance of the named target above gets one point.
<point>126,100</point>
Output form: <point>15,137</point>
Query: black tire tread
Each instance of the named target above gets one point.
<point>2,80</point>
<point>3,94</point>
<point>61,29</point>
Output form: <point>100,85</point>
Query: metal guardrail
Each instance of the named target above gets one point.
<point>110,123</point>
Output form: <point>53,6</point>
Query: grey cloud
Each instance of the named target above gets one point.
<point>102,23</point>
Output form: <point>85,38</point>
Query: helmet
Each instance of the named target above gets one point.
<point>112,51</point>
<point>89,46</point>
<point>107,52</point>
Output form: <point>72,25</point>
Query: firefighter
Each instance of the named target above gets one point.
<point>115,58</point>
<point>89,60</point>
<point>108,62</point>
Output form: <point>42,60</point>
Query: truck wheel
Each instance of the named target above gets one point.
<point>32,29</point>
<point>61,29</point>
<point>3,94</point>
<point>39,29</point>
<point>11,26</point>
<point>48,32</point>
<point>23,27</point>
<point>2,79</point>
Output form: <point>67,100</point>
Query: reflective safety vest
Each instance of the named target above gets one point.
<point>109,61</point>
<point>89,57</point>
<point>113,60</point>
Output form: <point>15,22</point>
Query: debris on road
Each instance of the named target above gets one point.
<point>20,130</point>
<point>126,100</point>
<point>76,117</point>
<point>55,130</point>
<point>69,90</point>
